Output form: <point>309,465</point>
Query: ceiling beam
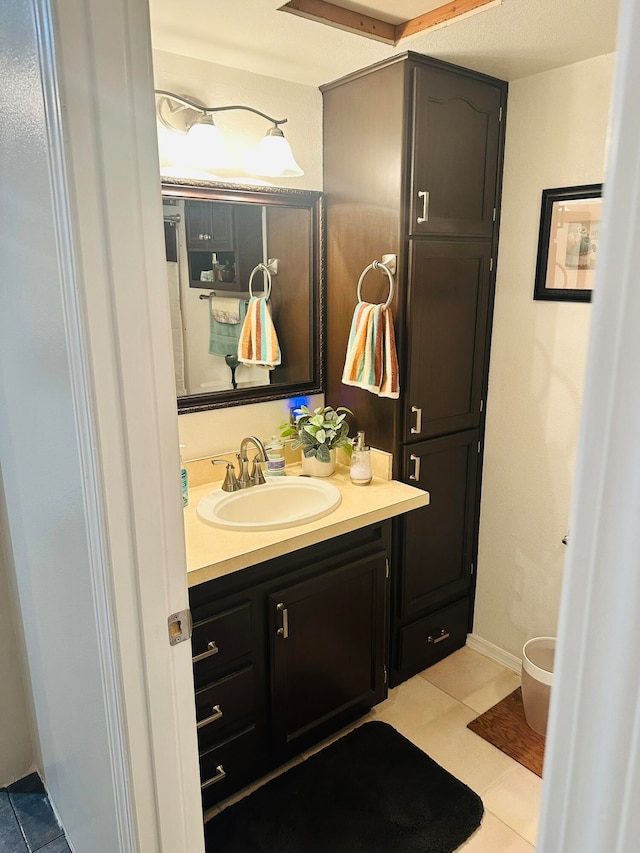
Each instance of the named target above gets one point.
<point>441,15</point>
<point>346,19</point>
<point>342,19</point>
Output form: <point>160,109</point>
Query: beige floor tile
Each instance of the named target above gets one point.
<point>468,757</point>
<point>515,800</point>
<point>492,692</point>
<point>413,704</point>
<point>494,837</point>
<point>463,673</point>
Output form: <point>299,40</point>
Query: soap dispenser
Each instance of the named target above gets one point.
<point>360,462</point>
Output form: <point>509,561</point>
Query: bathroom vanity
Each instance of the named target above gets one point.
<point>290,629</point>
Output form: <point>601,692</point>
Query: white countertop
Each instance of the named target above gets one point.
<point>213,552</point>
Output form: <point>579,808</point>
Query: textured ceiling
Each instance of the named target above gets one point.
<point>512,40</point>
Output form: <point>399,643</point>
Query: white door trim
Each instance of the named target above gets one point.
<point>592,768</point>
<point>109,212</point>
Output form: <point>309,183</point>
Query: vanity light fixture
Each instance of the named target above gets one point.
<point>207,148</point>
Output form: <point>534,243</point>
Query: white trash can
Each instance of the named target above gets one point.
<point>537,677</point>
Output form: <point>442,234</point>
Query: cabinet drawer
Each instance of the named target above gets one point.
<point>224,707</point>
<point>229,766</point>
<point>432,638</point>
<point>218,640</point>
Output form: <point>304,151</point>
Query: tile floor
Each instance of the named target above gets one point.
<point>432,709</point>
<point>27,821</point>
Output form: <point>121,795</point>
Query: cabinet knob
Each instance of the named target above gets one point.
<point>424,195</point>
<point>204,236</point>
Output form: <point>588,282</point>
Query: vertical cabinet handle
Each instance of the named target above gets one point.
<point>284,631</point>
<point>416,467</point>
<point>417,429</point>
<point>424,195</point>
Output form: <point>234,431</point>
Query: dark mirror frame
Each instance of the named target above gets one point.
<point>308,199</point>
<point>551,197</point>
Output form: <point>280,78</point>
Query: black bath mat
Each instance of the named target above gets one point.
<point>372,791</point>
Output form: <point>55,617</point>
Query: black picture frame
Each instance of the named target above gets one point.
<point>568,243</point>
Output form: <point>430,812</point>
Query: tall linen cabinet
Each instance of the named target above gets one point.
<point>413,151</point>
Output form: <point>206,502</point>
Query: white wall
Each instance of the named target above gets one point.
<point>556,137</point>
<point>16,750</point>
<point>221,430</point>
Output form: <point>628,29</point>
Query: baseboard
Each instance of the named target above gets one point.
<point>494,652</point>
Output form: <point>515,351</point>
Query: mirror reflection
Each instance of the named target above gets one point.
<point>244,275</point>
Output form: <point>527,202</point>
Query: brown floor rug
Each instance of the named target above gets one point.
<point>505,727</point>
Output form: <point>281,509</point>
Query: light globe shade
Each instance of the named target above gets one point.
<point>206,147</point>
<point>274,157</point>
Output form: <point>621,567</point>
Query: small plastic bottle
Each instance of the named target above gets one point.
<point>184,478</point>
<point>276,461</point>
<point>360,472</point>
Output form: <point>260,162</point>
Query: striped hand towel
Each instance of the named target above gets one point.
<point>371,361</point>
<point>258,340</point>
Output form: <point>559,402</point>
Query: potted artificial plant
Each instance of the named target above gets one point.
<point>319,434</point>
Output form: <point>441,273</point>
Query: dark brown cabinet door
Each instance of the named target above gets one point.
<point>456,133</point>
<point>328,652</point>
<point>209,226</point>
<point>438,539</point>
<point>449,288</point>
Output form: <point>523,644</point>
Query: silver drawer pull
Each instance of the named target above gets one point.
<point>284,631</point>
<point>443,635</point>
<point>416,469</point>
<point>424,195</point>
<point>217,714</point>
<point>417,429</point>
<point>212,649</point>
<point>220,775</point>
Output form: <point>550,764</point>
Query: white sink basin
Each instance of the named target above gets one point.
<point>277,504</point>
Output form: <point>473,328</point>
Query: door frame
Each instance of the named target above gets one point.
<point>96,72</point>
<point>592,768</point>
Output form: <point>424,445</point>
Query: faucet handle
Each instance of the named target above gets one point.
<point>231,483</point>
<point>257,477</point>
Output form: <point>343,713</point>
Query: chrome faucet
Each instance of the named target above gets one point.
<point>256,477</point>
<point>244,480</point>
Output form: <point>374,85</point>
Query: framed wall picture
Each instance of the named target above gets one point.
<point>568,243</point>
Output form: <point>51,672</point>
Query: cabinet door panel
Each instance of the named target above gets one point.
<point>208,226</point>
<point>449,288</point>
<point>438,539</point>
<point>456,132</point>
<point>327,641</point>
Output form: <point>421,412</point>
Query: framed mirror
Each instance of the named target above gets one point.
<point>227,247</point>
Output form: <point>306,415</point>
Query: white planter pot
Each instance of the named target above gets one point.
<point>314,468</point>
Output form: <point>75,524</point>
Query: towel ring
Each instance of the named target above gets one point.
<point>376,265</point>
<point>265,269</point>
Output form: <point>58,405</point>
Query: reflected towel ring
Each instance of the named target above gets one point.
<point>265,269</point>
<point>376,265</point>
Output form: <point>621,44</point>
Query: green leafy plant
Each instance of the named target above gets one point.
<point>320,431</point>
